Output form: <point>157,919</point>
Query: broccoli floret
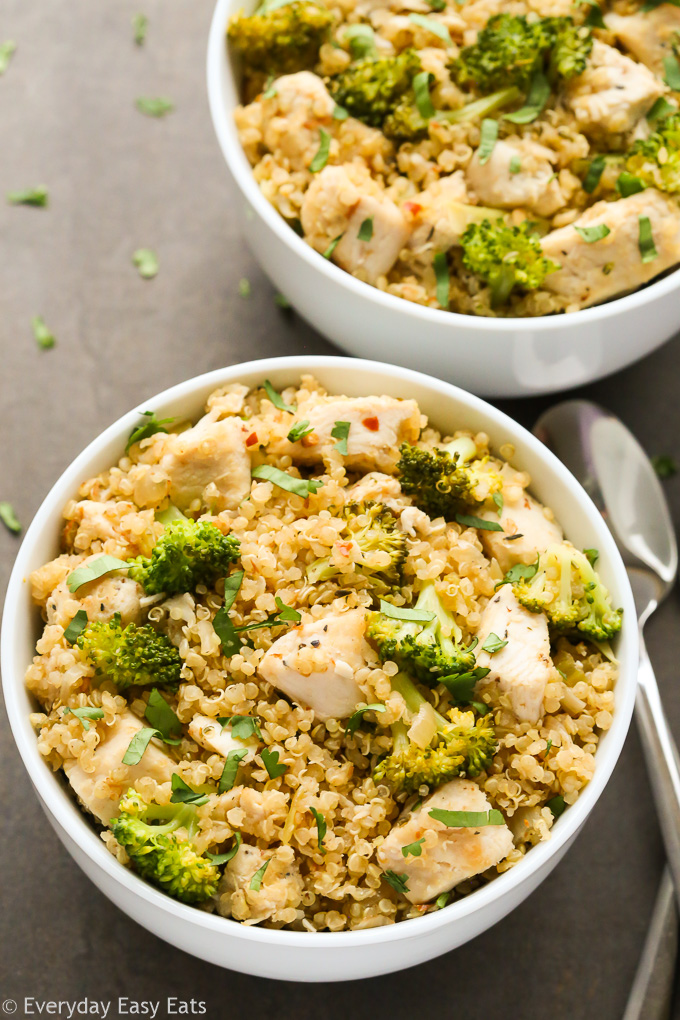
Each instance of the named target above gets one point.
<point>283,40</point>
<point>569,591</point>
<point>443,482</point>
<point>370,89</point>
<point>461,746</point>
<point>130,655</point>
<point>511,49</point>
<point>382,545</point>
<point>656,160</point>
<point>429,651</point>
<point>158,841</point>
<point>505,257</point>
<point>406,123</point>
<point>187,554</point>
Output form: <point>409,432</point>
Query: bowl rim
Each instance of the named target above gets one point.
<point>242,173</point>
<point>68,816</point>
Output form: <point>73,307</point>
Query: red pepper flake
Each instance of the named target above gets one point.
<point>372,424</point>
<point>412,207</point>
<point>252,439</point>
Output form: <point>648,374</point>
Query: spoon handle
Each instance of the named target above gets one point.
<point>662,761</point>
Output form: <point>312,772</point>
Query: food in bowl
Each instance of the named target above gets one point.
<point>308,664</point>
<point>467,158</point>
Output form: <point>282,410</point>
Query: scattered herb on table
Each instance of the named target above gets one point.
<point>37,197</point>
<point>154,106</point>
<point>146,262</point>
<point>44,338</point>
<point>9,518</point>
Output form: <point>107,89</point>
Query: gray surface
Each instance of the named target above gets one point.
<point>119,181</point>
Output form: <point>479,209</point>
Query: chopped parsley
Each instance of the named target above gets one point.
<point>398,882</point>
<point>628,184</point>
<point>402,613</point>
<point>441,272</point>
<point>437,5</point>
<point>366,229</point>
<point>592,555</point>
<point>140,24</point>
<point>488,137</point>
<point>467,819</point>
<point>243,727</point>
<point>493,644</point>
<point>321,157</point>
<point>413,849</point>
<point>298,486</point>
<point>269,89</point>
<point>520,572</point>
<point>271,763</point>
<point>672,72</point>
<point>515,164</point>
<point>183,794</point>
<point>228,634</point>
<point>332,246</point>
<point>361,39</point>
<point>664,465</point>
<point>154,106</point>
<point>277,400</point>
<point>228,854</point>
<point>339,112</point>
<point>556,805</point>
<point>356,718</point>
<point>468,521</point>
<point>31,196</point>
<point>244,288</point>
<point>159,714</point>
<point>593,18</point>
<point>594,173</point>
<point>138,745</point>
<point>461,687</point>
<point>146,262</point>
<point>9,518</point>
<point>421,89</point>
<point>7,50</point>
<point>231,764</point>
<point>76,626</point>
<point>661,109</point>
<point>538,96</point>
<point>320,828</point>
<point>340,431</point>
<point>498,500</point>
<point>281,301</point>
<point>86,714</point>
<point>256,880</point>
<point>442,900</point>
<point>42,335</point>
<point>94,569</point>
<point>547,748</point>
<point>592,234</point>
<point>430,25</point>
<point>646,244</point>
<point>299,431</point>
<point>147,428</point>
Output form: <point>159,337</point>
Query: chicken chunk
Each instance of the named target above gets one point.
<point>523,667</point>
<point>376,487</point>
<point>613,92</point>
<point>648,34</point>
<point>378,426</point>
<point>208,465</point>
<point>448,855</point>
<point>315,663</point>
<point>613,265</point>
<point>339,202</point>
<point>95,788</point>
<point>280,891</point>
<point>101,599</point>
<point>519,172</point>
<point>440,214</point>
<point>122,529</point>
<point>291,118</point>
<point>211,735</point>
<point>527,531</point>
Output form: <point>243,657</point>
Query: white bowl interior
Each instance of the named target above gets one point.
<point>448,408</point>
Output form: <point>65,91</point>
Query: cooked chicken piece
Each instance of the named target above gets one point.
<point>523,667</point>
<point>612,266</point>
<point>101,599</point>
<point>292,117</point>
<point>378,426</point>
<point>280,890</point>
<point>612,93</point>
<point>648,35</point>
<point>338,203</point>
<point>527,531</point>
<point>519,172</point>
<point>315,662</point>
<point>111,521</point>
<point>95,788</point>
<point>448,856</point>
<point>211,735</point>
<point>440,214</point>
<point>376,487</point>
<point>208,465</point>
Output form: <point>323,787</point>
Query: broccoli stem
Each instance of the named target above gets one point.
<point>171,513</point>
<point>443,622</point>
<point>501,285</point>
<point>481,107</point>
<point>403,685</point>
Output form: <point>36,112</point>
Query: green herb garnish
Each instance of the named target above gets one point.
<point>244,288</point>
<point>340,431</point>
<point>9,518</point>
<point>664,465</point>
<point>487,140</point>
<point>183,794</point>
<point>556,805</point>
<point>402,613</point>
<point>366,229</point>
<point>7,50</point>
<point>270,760</point>
<point>165,722</point>
<point>592,555</point>
<point>138,745</point>
<point>467,819</point>
<point>243,727</point>
<point>321,157</point>
<point>493,644</point>
<point>256,880</point>
<point>85,715</point>
<point>356,718</point>
<point>276,398</point>
<point>398,882</point>
<point>628,184</point>
<point>515,164</point>
<point>154,106</point>
<point>595,171</point>
<point>147,428</point>
<point>477,522</point>
<point>299,430</point>
<point>146,262</point>
<point>140,24</point>
<point>298,486</point>
<point>672,72</point>
<point>421,89</point>
<point>228,855</point>
<point>592,234</point>
<point>413,849</point>
<point>441,272</point>
<point>332,246</point>
<point>43,337</point>
<point>96,568</point>
<point>231,764</point>
<point>539,93</point>
<point>430,25</point>
<point>76,626</point>
<point>31,196</point>
<point>520,572</point>
<point>646,244</point>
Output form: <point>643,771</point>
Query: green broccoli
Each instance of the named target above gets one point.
<point>462,746</point>
<point>282,40</point>
<point>371,88</point>
<point>511,49</point>
<point>505,257</point>
<point>163,853</point>
<point>567,588</point>
<point>382,545</point>
<point>429,651</point>
<point>655,161</point>
<point>130,655</point>
<point>443,482</point>
<point>187,554</point>
<point>406,123</point>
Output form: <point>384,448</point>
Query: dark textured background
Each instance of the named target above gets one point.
<point>119,181</point>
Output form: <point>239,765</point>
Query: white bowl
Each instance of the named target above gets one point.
<point>492,357</point>
<point>284,954</point>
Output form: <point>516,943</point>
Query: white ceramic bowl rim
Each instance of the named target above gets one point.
<point>72,819</point>
<point>243,174</point>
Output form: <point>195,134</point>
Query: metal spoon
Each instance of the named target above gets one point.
<point>618,476</point>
